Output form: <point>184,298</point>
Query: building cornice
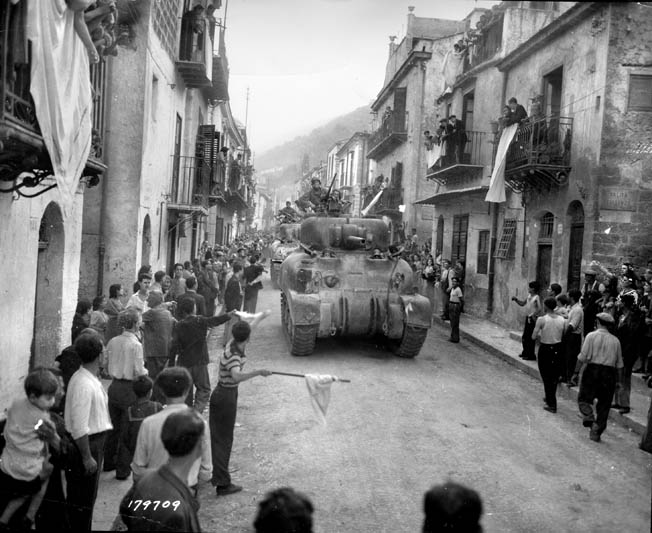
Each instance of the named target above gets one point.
<point>412,58</point>
<point>567,20</point>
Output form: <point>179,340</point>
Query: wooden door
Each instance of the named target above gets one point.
<point>544,263</point>
<point>575,257</point>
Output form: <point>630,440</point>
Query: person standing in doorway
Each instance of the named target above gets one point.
<point>455,301</point>
<point>549,329</point>
<point>533,310</point>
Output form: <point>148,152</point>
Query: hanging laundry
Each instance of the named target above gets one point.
<point>61,89</point>
<point>319,387</point>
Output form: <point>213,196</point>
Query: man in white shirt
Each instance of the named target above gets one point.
<point>174,383</point>
<point>138,301</point>
<point>125,363</point>
<point>87,419</point>
<point>455,301</point>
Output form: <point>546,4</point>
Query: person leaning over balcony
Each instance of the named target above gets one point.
<point>518,113</point>
<point>442,137</point>
<point>533,310</point>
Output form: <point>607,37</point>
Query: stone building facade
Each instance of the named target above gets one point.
<point>580,193</point>
<point>168,120</point>
<point>404,108</point>
<point>354,170</point>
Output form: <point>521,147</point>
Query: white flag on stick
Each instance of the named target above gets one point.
<point>372,203</point>
<point>319,387</point>
<point>496,192</point>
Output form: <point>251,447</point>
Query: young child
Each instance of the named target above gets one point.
<point>137,412</point>
<point>24,464</point>
<point>224,402</point>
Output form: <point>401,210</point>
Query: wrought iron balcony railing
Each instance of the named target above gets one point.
<point>539,156</point>
<point>195,183</point>
<point>391,132</point>
<point>464,159</point>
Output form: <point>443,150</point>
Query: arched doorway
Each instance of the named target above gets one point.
<point>46,342</point>
<point>146,248</point>
<point>575,217</point>
<point>544,249</point>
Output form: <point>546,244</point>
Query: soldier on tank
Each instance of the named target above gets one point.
<point>314,198</point>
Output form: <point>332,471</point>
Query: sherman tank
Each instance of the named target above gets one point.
<point>287,242</point>
<point>335,286</point>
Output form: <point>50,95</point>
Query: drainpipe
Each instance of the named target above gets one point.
<point>422,66</point>
<point>494,228</point>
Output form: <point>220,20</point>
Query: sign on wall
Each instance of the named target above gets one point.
<point>618,199</point>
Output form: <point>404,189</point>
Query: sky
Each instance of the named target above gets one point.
<point>308,61</point>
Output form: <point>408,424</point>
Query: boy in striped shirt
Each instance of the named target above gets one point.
<point>224,402</point>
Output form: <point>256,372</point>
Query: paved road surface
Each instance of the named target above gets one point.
<point>401,425</point>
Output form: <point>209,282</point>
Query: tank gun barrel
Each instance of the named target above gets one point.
<point>352,242</point>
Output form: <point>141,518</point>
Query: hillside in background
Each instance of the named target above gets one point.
<point>287,157</point>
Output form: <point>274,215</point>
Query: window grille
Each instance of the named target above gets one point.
<point>165,21</point>
<point>505,246</point>
<point>547,225</point>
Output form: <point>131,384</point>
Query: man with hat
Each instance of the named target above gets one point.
<point>314,197</point>
<point>590,282</point>
<point>458,139</point>
<point>602,363</point>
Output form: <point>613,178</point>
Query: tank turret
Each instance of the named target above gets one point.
<point>343,282</point>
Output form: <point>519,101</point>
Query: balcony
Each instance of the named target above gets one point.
<point>22,148</point>
<point>191,184</point>
<point>388,204</point>
<point>391,133</point>
<point>219,89</point>
<point>195,63</point>
<point>475,155</point>
<point>539,156</point>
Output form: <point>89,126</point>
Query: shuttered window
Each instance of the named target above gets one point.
<point>460,230</point>
<point>640,92</point>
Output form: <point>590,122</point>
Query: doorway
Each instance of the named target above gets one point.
<point>575,217</point>
<point>46,340</point>
<point>439,242</point>
<point>544,250</point>
<point>146,247</point>
<point>172,243</point>
<point>552,92</point>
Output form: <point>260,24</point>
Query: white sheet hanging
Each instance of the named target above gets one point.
<point>433,155</point>
<point>496,192</point>
<point>61,89</point>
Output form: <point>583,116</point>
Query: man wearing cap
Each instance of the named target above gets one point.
<point>314,197</point>
<point>602,363</point>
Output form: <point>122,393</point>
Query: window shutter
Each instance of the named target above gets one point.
<point>640,93</point>
<point>505,248</point>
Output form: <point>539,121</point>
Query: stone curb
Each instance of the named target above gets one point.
<point>530,368</point>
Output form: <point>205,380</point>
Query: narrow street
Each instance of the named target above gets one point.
<point>455,412</point>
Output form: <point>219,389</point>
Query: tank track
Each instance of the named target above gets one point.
<point>412,341</point>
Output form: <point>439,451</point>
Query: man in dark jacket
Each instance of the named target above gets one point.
<point>457,139</point>
<point>177,508</point>
<point>189,344</point>
<point>519,114</point>
<point>233,299</point>
<point>191,292</point>
<point>253,283</point>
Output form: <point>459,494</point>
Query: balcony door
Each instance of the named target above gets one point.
<point>176,161</point>
<point>460,234</point>
<point>467,120</point>
<point>552,92</point>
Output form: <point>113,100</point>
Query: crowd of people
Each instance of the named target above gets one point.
<point>597,337</point>
<point>68,428</point>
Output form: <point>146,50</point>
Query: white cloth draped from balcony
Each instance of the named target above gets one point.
<point>496,192</point>
<point>61,89</point>
<point>452,68</point>
<point>433,155</point>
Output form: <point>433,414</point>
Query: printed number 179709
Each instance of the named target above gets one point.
<point>164,504</point>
